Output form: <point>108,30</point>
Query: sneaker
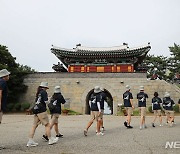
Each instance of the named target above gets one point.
<point>31,143</point>
<point>85,133</point>
<point>125,124</point>
<point>170,124</point>
<point>102,129</point>
<point>129,126</point>
<point>144,126</point>
<point>140,127</point>
<point>160,125</point>
<point>100,133</point>
<point>52,140</point>
<point>60,135</point>
<point>153,125</point>
<point>45,138</point>
<point>2,147</point>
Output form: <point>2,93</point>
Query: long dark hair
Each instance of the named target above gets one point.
<point>38,90</point>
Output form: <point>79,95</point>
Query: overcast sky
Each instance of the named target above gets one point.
<point>29,27</point>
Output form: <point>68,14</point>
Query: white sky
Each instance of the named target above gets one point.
<point>29,27</point>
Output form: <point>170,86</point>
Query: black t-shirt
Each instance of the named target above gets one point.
<point>57,101</point>
<point>126,97</point>
<point>156,103</point>
<point>168,103</point>
<point>42,97</point>
<point>142,99</point>
<point>3,87</point>
<point>95,97</point>
<point>103,98</point>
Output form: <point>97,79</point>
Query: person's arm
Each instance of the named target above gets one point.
<point>99,107</point>
<point>131,101</point>
<point>0,98</point>
<point>89,103</point>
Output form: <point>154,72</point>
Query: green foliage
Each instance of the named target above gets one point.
<point>15,83</point>
<point>17,106</point>
<point>150,109</point>
<point>10,106</point>
<point>70,112</point>
<point>136,112</point>
<point>176,108</point>
<point>164,67</point>
<point>25,106</point>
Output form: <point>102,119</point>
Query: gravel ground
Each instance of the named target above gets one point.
<point>14,132</point>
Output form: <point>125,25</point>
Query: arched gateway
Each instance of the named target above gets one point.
<point>109,101</point>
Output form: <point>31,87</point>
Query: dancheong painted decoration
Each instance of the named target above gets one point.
<point>106,59</point>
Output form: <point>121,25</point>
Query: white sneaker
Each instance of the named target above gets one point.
<point>52,140</point>
<point>160,125</point>
<point>31,143</point>
<point>140,127</point>
<point>100,133</point>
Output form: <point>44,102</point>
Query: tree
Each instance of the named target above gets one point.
<point>174,60</point>
<point>157,65</point>
<point>15,84</point>
<point>164,67</point>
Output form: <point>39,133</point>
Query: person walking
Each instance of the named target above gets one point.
<point>168,104</point>
<point>40,115</point>
<point>55,110</point>
<point>4,77</point>
<point>103,100</point>
<point>156,107</point>
<point>141,96</point>
<point>95,108</point>
<point>128,104</point>
<point>179,104</point>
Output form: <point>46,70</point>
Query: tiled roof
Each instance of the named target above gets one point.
<point>86,52</point>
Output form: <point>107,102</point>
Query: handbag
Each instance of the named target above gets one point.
<point>36,108</point>
<point>52,105</point>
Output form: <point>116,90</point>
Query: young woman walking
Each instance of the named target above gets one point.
<point>40,115</point>
<point>55,110</point>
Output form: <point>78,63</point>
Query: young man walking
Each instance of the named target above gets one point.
<point>103,100</point>
<point>168,104</point>
<point>4,77</point>
<point>96,113</point>
<point>128,104</point>
<point>141,96</point>
<point>156,107</point>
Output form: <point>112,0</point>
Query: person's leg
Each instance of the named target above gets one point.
<point>129,117</point>
<point>32,132</point>
<point>98,119</point>
<point>89,123</point>
<point>56,129</point>
<point>48,130</point>
<point>141,119</point>
<point>155,116</point>
<point>171,117</point>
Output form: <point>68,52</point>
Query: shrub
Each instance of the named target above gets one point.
<point>150,109</point>
<point>10,106</point>
<point>176,108</point>
<point>136,112</point>
<point>25,106</point>
<point>17,106</point>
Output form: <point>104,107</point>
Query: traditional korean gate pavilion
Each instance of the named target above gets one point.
<point>106,59</point>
